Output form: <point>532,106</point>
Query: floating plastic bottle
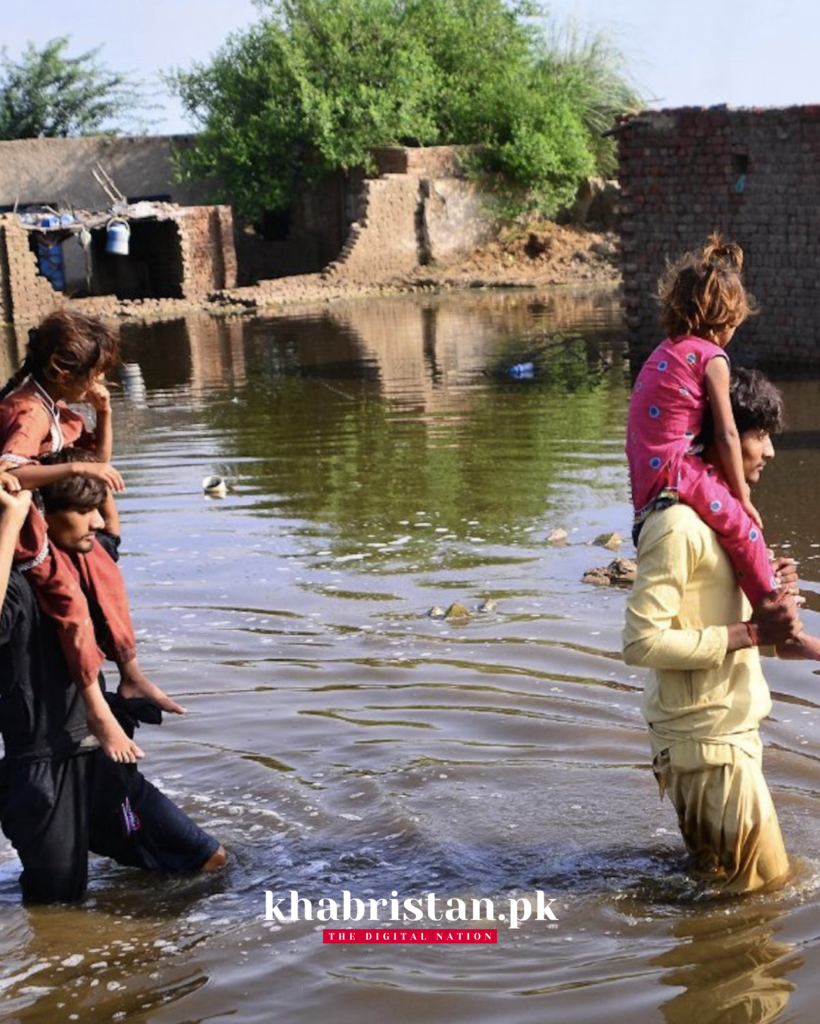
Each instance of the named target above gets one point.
<point>522,371</point>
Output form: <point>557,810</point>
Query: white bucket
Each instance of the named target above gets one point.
<point>117,236</point>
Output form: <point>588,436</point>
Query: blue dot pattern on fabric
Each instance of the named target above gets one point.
<point>663,365</point>
<point>654,411</point>
<point>753,534</point>
<point>715,505</point>
<point>689,434</point>
<point>691,358</point>
<point>639,386</point>
<point>655,462</point>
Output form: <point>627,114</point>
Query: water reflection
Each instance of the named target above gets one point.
<point>730,966</point>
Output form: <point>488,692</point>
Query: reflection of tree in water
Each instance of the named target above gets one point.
<point>731,968</point>
<point>557,362</point>
<point>347,429</point>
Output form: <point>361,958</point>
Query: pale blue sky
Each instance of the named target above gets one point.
<point>693,52</point>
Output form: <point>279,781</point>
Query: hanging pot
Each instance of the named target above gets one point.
<point>117,236</point>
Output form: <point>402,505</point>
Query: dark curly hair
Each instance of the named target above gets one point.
<point>66,341</point>
<point>74,493</point>
<point>756,405</point>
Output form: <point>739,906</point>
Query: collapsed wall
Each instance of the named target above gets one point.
<point>173,253</point>
<point>420,209</point>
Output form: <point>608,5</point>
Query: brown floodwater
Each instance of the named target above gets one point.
<point>382,461</point>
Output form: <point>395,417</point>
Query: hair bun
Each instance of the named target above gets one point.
<point>720,254</point>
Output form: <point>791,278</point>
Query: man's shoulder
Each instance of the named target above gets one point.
<point>676,517</point>
<point>678,530</point>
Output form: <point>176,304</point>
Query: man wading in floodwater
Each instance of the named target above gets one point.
<point>688,621</point>
<point>60,796</point>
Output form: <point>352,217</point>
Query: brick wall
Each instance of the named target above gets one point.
<point>420,211</point>
<point>208,255</point>
<point>754,176</point>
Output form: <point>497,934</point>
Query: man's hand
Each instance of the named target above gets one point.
<point>777,618</point>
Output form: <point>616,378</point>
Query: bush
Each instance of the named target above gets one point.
<point>316,84</point>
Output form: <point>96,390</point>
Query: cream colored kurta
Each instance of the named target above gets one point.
<point>702,704</point>
<point>698,697</point>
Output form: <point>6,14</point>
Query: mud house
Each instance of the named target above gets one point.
<point>57,216</point>
<point>755,176</point>
<point>101,220</point>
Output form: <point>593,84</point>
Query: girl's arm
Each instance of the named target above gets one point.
<point>98,396</point>
<point>34,475</point>
<point>727,439</point>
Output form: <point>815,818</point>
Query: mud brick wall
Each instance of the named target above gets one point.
<point>423,210</point>
<point>59,171</point>
<point>208,253</point>
<point>430,161</point>
<point>753,175</point>
<point>22,289</point>
<point>385,241</point>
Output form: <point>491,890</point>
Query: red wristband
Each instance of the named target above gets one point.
<point>754,635</point>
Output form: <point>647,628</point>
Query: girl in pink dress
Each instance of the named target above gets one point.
<point>703,301</point>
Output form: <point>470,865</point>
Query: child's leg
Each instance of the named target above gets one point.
<point>60,597</point>
<point>134,683</point>
<point>104,584</point>
<point>107,729</point>
<point>59,594</point>
<point>703,488</point>
<point>103,579</point>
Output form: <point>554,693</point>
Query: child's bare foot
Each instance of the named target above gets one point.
<point>113,739</point>
<point>134,683</point>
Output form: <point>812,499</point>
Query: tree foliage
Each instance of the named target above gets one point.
<point>48,94</point>
<point>316,84</point>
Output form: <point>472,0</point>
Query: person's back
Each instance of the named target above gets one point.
<point>41,712</point>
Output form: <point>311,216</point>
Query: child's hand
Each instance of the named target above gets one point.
<point>98,396</point>
<point>750,510</point>
<point>102,471</point>
<point>14,507</point>
<point>785,574</point>
<point>9,482</point>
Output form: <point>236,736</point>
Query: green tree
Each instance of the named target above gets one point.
<point>316,84</point>
<point>49,94</point>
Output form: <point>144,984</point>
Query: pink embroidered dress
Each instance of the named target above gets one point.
<point>666,415</point>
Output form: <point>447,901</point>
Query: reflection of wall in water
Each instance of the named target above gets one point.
<point>217,352</point>
<point>196,352</point>
<point>428,351</point>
